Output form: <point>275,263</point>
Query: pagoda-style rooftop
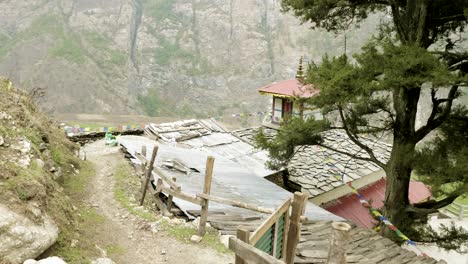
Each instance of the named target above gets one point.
<point>289,89</point>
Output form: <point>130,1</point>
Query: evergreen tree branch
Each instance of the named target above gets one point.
<point>431,206</point>
<point>346,153</point>
<point>354,139</point>
<point>433,122</point>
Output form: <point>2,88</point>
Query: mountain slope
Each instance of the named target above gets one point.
<point>159,57</point>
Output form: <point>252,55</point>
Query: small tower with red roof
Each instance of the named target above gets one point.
<point>288,97</point>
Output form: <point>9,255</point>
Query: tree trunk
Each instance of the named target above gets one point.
<point>399,167</point>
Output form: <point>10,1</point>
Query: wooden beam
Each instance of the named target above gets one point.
<point>250,254</point>
<point>148,173</point>
<point>243,235</point>
<point>167,179</point>
<point>181,195</point>
<point>235,203</point>
<point>285,236</point>
<point>270,221</point>
<point>275,240</point>
<point>158,201</point>
<point>169,199</point>
<point>206,190</point>
<point>140,157</point>
<point>338,241</point>
<point>294,231</point>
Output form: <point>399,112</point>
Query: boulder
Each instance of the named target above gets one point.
<point>21,238</point>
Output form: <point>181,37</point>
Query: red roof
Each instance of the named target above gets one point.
<point>290,88</point>
<point>351,209</point>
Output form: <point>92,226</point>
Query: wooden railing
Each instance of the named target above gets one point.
<point>278,235</point>
<point>168,185</point>
<point>273,242</point>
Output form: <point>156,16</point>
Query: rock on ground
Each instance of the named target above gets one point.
<point>103,261</point>
<point>50,260</point>
<point>22,238</point>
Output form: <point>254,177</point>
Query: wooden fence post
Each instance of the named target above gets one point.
<point>206,190</point>
<point>148,173</point>
<point>338,241</point>
<point>294,231</point>
<point>242,234</point>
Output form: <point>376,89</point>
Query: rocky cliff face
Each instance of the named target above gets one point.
<point>162,57</point>
<point>35,158</point>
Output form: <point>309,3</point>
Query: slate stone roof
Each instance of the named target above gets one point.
<point>248,134</point>
<point>365,247</point>
<point>315,168</point>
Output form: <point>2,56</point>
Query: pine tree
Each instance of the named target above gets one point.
<point>379,93</point>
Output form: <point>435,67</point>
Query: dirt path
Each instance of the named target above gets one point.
<point>138,245</point>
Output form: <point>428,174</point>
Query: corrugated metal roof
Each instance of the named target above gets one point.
<point>230,180</point>
<point>351,209</point>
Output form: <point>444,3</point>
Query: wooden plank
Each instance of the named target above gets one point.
<point>158,201</point>
<point>235,203</point>
<point>169,199</point>
<point>180,195</point>
<point>148,174</point>
<point>249,254</point>
<point>206,190</point>
<point>273,218</point>
<point>243,235</point>
<point>285,236</point>
<point>295,226</point>
<point>167,179</point>
<point>275,239</point>
<point>140,157</point>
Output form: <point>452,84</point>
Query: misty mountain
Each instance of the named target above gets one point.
<point>166,58</point>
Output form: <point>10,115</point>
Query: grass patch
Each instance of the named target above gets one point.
<point>184,233</point>
<point>124,177</point>
<point>82,231</point>
<point>124,174</point>
<point>75,185</point>
<point>113,249</point>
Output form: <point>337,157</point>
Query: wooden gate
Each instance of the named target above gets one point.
<point>277,236</point>
<point>271,236</point>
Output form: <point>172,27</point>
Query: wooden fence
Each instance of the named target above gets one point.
<point>168,185</point>
<point>273,242</point>
<point>278,235</point>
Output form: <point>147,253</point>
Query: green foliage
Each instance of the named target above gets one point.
<point>442,162</point>
<point>167,51</point>
<point>70,50</point>
<point>295,132</point>
<point>117,57</point>
<point>159,9</point>
<point>379,93</point>
<point>415,22</point>
<point>152,104</point>
<point>47,24</point>
<point>103,44</point>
